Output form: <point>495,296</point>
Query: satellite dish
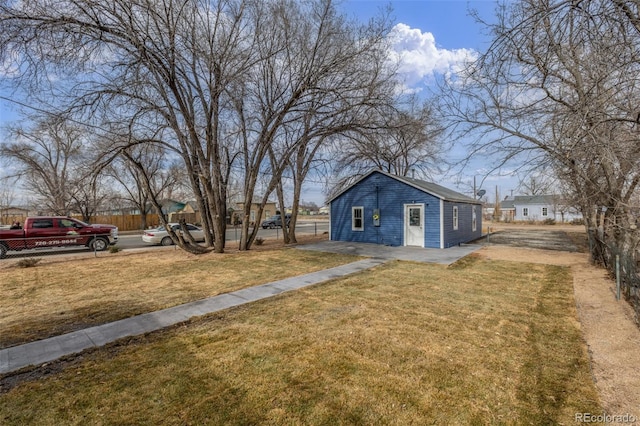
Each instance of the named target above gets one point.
<point>481,193</point>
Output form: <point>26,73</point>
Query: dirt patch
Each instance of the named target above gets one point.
<point>609,329</point>
<point>546,240</point>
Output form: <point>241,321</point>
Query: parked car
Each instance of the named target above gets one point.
<point>275,221</point>
<point>160,235</point>
<point>56,231</point>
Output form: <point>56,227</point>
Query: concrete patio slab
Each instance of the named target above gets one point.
<point>414,254</point>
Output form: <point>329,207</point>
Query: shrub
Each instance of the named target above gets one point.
<point>114,249</point>
<point>549,221</point>
<point>259,241</point>
<point>28,263</point>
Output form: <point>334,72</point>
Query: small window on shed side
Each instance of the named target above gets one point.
<point>474,219</point>
<point>357,215</point>
<point>455,218</point>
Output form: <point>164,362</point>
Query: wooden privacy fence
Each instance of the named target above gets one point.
<point>133,222</point>
<point>7,220</point>
<point>127,222</point>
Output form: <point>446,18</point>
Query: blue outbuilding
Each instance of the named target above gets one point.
<point>382,208</point>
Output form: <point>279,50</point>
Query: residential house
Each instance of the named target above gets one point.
<point>538,208</point>
<point>382,208</point>
<point>506,211</point>
<point>190,213</point>
<point>269,210</point>
<point>10,214</point>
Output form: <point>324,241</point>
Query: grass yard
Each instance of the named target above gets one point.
<point>66,295</point>
<point>481,342</point>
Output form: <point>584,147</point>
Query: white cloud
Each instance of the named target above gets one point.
<point>419,57</point>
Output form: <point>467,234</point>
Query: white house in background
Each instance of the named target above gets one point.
<point>538,208</point>
<point>506,211</point>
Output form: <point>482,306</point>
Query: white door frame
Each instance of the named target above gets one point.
<point>406,223</point>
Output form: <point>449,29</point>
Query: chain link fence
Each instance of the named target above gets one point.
<point>621,260</point>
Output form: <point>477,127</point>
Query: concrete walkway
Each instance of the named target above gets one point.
<point>43,351</point>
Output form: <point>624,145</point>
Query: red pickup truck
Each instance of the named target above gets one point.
<point>56,231</point>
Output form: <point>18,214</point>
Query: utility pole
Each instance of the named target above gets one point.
<point>475,194</point>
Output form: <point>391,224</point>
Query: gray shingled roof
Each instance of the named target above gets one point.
<point>437,190</point>
<point>507,204</point>
<point>535,199</point>
<point>428,187</point>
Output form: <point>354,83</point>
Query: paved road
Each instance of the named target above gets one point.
<point>305,228</point>
<point>129,241</point>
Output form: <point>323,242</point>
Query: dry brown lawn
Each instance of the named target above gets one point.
<point>608,326</point>
<point>66,294</point>
<point>485,341</point>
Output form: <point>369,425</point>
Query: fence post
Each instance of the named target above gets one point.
<point>617,277</point>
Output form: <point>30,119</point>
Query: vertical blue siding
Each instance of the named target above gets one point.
<point>390,196</point>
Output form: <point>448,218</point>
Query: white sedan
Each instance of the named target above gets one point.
<point>160,235</point>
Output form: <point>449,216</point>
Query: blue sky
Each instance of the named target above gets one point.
<point>432,37</point>
<point>435,37</point>
<point>447,20</point>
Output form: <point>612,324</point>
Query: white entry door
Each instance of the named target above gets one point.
<point>414,225</point>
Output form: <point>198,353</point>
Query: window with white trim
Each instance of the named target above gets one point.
<point>357,218</point>
<point>474,219</point>
<point>545,212</point>
<point>525,211</point>
<point>455,218</point>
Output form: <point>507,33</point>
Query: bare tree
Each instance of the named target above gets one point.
<point>48,158</point>
<point>216,84</point>
<point>497,208</point>
<point>558,87</point>
<point>323,74</point>
<point>145,73</point>
<point>536,184</point>
<point>162,176</point>
<point>405,140</point>
<point>92,195</point>
<point>7,195</point>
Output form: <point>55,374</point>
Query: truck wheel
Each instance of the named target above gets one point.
<point>98,244</point>
<point>166,241</point>
<point>3,251</point>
